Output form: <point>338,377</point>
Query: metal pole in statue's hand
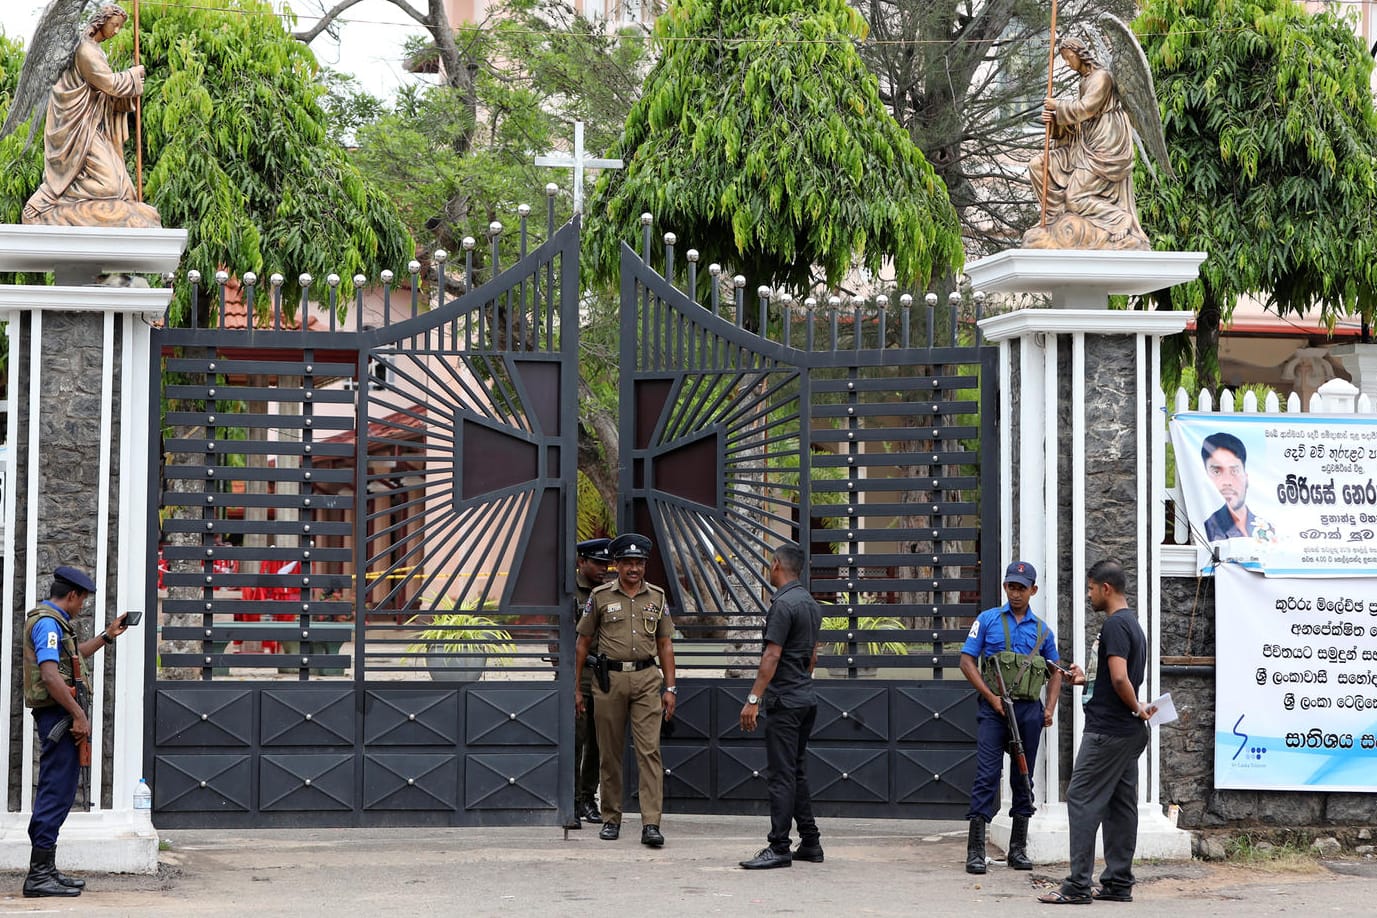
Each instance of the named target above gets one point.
<point>138,111</point>
<point>1047,135</point>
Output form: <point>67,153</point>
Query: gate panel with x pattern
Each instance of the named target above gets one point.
<point>349,511</point>
<point>866,433</point>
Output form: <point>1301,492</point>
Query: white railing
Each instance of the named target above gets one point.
<point>1179,555</point>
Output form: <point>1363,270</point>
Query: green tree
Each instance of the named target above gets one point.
<point>237,151</point>
<point>761,140</point>
<point>1268,113</point>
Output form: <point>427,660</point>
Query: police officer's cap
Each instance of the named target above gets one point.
<point>1021,572</point>
<point>74,577</point>
<point>594,549</point>
<point>630,545</point>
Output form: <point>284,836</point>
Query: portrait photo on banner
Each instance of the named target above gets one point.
<point>1286,495</point>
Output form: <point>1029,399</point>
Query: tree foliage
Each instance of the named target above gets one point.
<point>761,140</point>
<point>539,67</point>
<point>1268,113</point>
<point>237,151</point>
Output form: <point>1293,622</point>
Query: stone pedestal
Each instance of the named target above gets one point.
<point>1083,420</point>
<point>76,468</point>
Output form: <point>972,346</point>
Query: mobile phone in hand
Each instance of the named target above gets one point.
<point>133,618</point>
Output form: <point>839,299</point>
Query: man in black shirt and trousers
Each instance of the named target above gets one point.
<point>1104,781</point>
<point>785,678</point>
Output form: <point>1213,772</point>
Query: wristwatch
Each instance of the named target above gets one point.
<point>752,699</point>
<point>105,636</point>
<point>672,689</point>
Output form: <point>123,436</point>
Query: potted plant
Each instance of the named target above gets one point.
<point>458,642</point>
<point>867,642</point>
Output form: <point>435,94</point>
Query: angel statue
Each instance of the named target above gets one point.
<point>85,180</point>
<point>1085,182</point>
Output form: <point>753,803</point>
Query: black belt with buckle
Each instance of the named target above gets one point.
<point>629,666</point>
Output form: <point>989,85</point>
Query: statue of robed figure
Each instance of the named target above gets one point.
<point>1084,180</point>
<point>85,180</point>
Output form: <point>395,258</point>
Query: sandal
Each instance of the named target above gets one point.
<point>1110,894</point>
<point>1061,898</point>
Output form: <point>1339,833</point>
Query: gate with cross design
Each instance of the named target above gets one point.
<point>365,531</point>
<point>865,432</point>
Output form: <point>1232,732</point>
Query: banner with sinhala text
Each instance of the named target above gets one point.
<point>1288,495</point>
<point>1296,683</point>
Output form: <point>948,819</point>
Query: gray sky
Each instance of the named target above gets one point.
<point>369,47</point>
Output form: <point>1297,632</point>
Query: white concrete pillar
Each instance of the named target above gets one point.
<point>1087,447</point>
<point>104,332</point>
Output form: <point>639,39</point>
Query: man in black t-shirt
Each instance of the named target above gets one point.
<point>1104,781</point>
<point>785,679</point>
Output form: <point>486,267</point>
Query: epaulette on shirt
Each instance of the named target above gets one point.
<point>602,586</point>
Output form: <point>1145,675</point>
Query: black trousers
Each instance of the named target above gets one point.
<point>786,749</point>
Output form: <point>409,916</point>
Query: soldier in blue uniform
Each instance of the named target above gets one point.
<point>54,674</point>
<point>995,632</point>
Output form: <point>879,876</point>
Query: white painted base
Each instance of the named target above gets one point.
<point>107,841</point>
<point>1079,278</point>
<point>1049,836</point>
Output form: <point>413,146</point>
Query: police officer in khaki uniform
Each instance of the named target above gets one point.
<point>628,621</point>
<point>590,571</point>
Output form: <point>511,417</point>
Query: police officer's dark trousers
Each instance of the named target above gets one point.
<point>992,741</point>
<point>58,773</point>
<point>786,750</point>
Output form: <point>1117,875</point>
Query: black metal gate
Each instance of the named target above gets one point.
<point>857,431</point>
<point>360,522</point>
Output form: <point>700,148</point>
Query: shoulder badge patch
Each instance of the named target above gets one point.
<point>52,640</point>
<point>975,629</point>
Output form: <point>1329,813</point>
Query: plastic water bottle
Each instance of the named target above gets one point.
<point>143,798</point>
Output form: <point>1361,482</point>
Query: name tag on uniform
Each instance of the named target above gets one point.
<point>614,607</point>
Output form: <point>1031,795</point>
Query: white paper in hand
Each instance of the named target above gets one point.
<point>1166,710</point>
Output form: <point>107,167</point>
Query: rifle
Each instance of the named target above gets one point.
<point>1016,752</point>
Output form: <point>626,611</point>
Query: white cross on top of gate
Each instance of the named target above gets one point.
<point>579,161</point>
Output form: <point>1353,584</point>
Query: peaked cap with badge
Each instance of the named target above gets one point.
<point>630,545</point>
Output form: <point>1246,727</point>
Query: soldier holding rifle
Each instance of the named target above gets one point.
<point>55,687</point>
<point>1008,657</point>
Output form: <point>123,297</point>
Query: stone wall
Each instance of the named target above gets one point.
<point>1188,744</point>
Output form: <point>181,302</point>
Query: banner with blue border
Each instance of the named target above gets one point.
<point>1288,495</point>
<point>1295,682</point>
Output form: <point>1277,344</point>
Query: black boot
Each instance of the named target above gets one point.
<point>74,882</point>
<point>1018,845</point>
<point>975,846</point>
<point>42,879</point>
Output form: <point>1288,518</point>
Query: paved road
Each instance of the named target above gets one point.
<point>874,867</point>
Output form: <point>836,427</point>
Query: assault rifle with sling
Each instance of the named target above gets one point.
<point>83,700</point>
<point>1016,752</point>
